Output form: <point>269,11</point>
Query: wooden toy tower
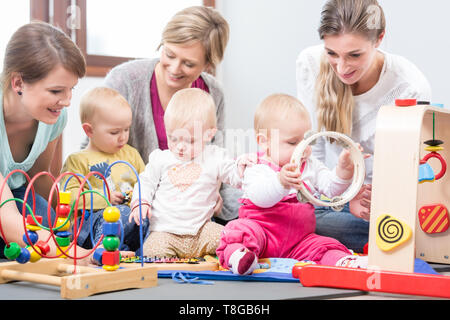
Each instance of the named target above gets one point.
<point>410,219</point>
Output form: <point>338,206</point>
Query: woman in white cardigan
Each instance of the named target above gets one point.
<point>343,83</point>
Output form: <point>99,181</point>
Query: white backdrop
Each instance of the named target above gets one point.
<point>267,35</point>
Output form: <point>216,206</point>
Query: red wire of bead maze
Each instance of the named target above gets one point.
<point>75,209</point>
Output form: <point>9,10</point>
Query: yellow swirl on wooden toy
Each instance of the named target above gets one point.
<point>391,232</point>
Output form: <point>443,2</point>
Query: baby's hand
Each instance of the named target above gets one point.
<point>345,166</point>
<point>127,254</point>
<point>290,176</point>
<point>116,198</point>
<point>146,212</point>
<point>246,160</point>
<point>219,205</point>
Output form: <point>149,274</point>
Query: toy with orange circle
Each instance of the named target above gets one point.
<point>434,146</point>
<point>409,218</point>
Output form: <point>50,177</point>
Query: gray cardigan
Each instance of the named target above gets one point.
<point>132,80</point>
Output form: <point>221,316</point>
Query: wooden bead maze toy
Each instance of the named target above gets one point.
<point>75,281</point>
<point>337,203</point>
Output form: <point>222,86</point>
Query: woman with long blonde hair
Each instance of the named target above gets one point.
<point>343,83</point>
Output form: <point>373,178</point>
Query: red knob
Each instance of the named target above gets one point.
<point>405,102</point>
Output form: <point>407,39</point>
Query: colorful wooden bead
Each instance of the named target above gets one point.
<point>64,197</point>
<point>434,218</point>
<point>111,229</point>
<point>33,228</point>
<point>111,214</point>
<point>111,243</point>
<point>24,256</point>
<point>63,210</point>
<point>61,224</point>
<point>110,258</point>
<point>434,142</point>
<point>33,237</point>
<point>12,251</point>
<point>62,253</point>
<point>97,256</point>
<point>63,234</point>
<point>434,149</point>
<point>31,221</point>
<point>43,247</point>
<point>110,268</point>
<point>34,256</point>
<point>63,241</point>
<point>391,232</point>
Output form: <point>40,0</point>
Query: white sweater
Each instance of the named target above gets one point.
<point>400,79</point>
<point>183,194</point>
<point>262,185</point>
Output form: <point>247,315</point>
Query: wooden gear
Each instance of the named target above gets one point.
<point>336,203</point>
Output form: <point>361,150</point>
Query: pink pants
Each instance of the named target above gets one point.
<point>285,230</point>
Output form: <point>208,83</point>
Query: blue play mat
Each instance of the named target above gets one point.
<point>280,270</point>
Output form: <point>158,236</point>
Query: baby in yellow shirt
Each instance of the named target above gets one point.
<point>106,119</point>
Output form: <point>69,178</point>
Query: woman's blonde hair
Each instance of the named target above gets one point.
<point>188,106</point>
<point>279,105</point>
<point>199,23</point>
<point>35,49</point>
<point>333,98</point>
<point>100,97</point>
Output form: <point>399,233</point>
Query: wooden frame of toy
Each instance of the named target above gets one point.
<point>77,281</point>
<point>409,217</point>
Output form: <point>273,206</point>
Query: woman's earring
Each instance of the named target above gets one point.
<point>19,93</point>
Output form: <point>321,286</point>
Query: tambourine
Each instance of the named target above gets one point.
<point>337,203</point>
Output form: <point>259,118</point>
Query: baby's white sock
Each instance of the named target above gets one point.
<point>243,262</point>
<point>353,262</point>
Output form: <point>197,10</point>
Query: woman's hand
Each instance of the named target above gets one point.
<point>345,166</point>
<point>360,205</point>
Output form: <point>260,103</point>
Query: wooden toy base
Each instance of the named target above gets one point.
<point>374,280</point>
<point>201,266</point>
<point>87,281</point>
<point>92,280</point>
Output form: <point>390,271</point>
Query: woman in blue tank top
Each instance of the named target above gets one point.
<point>41,67</point>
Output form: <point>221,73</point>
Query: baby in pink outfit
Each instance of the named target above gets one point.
<point>272,223</point>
